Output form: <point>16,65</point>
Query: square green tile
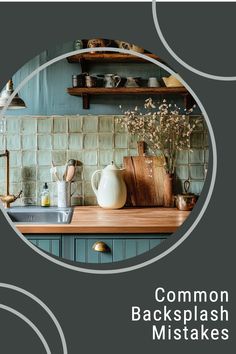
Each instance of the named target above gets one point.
<point>105,157</point>
<point>13,142</point>
<point>44,174</point>
<point>118,126</point>
<point>76,189</point>
<point>29,142</point>
<point>60,124</point>
<point>76,141</point>
<point>88,191</point>
<point>106,124</point>
<point>90,201</point>
<point>132,141</point>
<point>182,157</point>
<point>28,158</point>
<point>15,174</point>
<point>60,141</point>
<point>44,158</point>
<point>2,142</point>
<point>196,156</point>
<point>197,140</point>
<point>121,140</point>
<point>90,124</point>
<point>29,125</point>
<point>206,155</point>
<point>15,188</point>
<point>45,125</point>
<point>15,159</point>
<point>53,189</point>
<point>75,124</point>
<point>44,142</point>
<point>2,177</point>
<point>106,141</point>
<point>75,154</point>
<point>28,173</point>
<point>118,156</point>
<point>3,161</point>
<point>90,141</point>
<point>29,189</point>
<point>182,172</point>
<point>76,200</point>
<point>206,139</point>
<point>197,172</point>
<point>78,173</point>
<point>196,187</point>
<point>59,157</point>
<point>13,125</point>
<point>90,158</point>
<point>88,171</point>
<point>133,152</point>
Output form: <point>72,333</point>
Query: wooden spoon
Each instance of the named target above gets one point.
<point>70,171</point>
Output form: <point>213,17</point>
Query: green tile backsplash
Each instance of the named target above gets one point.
<point>34,141</point>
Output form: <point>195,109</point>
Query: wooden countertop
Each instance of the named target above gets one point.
<point>92,219</point>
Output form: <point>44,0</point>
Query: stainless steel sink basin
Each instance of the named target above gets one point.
<point>40,215</point>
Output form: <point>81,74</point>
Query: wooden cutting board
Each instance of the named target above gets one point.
<point>144,178</point>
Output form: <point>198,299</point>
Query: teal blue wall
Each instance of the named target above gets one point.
<point>45,94</point>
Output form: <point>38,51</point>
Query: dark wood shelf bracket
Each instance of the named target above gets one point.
<point>86,101</point>
<point>85,93</point>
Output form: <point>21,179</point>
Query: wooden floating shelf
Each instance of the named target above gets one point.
<point>79,91</point>
<point>85,58</point>
<point>109,57</point>
<point>85,92</point>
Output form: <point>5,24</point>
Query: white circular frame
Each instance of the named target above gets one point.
<point>209,194</point>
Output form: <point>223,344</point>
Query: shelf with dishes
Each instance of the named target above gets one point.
<point>86,85</point>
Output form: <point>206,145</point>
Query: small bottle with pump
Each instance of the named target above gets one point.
<point>45,196</point>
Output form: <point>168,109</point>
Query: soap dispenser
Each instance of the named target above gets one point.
<point>45,196</point>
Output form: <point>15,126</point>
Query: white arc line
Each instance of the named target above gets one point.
<point>176,57</point>
<point>30,323</point>
<point>209,194</point>
<point>44,306</point>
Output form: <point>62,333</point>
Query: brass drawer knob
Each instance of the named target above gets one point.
<point>101,246</point>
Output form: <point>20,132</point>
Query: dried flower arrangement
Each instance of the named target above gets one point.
<point>166,131</point>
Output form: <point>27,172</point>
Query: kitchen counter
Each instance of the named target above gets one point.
<point>93,219</point>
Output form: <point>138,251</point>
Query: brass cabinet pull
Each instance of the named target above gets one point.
<point>101,246</point>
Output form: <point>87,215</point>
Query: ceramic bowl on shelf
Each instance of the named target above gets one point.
<point>132,81</point>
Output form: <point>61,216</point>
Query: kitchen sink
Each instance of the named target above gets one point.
<point>40,215</point>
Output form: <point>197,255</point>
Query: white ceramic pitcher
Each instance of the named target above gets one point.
<point>111,192</point>
<point>112,80</point>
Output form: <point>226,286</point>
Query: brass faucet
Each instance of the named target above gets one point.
<point>8,198</point>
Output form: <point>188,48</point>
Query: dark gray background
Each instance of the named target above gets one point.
<point>94,310</point>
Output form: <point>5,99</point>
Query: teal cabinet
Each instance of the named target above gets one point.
<point>48,243</point>
<point>79,247</point>
<point>117,249</point>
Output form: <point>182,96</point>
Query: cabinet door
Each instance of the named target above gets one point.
<point>50,244</point>
<point>79,248</point>
<point>118,249</point>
